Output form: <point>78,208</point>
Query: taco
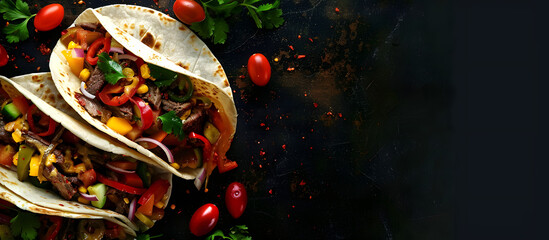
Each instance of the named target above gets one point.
<point>57,162</point>
<point>147,80</point>
<point>54,224</point>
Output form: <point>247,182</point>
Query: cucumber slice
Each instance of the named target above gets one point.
<point>100,191</point>
<point>11,112</point>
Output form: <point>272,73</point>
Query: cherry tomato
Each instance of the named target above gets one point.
<point>236,199</point>
<point>3,56</point>
<point>259,69</point>
<point>188,11</point>
<point>204,219</point>
<point>49,17</point>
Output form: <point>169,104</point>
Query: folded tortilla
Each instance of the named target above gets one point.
<point>163,41</point>
<point>23,204</point>
<point>39,89</point>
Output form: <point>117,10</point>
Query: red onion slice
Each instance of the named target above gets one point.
<point>116,49</point>
<point>86,93</point>
<point>89,197</point>
<point>132,209</point>
<point>200,179</point>
<point>117,169</point>
<point>127,56</point>
<point>78,53</point>
<point>154,141</point>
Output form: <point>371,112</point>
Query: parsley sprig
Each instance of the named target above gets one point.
<point>238,232</point>
<point>171,123</point>
<point>14,11</point>
<point>215,26</point>
<point>25,225</point>
<point>111,69</point>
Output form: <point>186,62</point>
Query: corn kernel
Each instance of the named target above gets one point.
<point>73,45</point>
<point>143,88</point>
<point>159,204</point>
<point>34,164</point>
<point>15,159</point>
<point>16,135</point>
<point>145,71</point>
<point>50,160</point>
<point>83,200</point>
<point>82,189</point>
<point>126,200</point>
<point>175,165</point>
<point>84,74</point>
<point>128,72</point>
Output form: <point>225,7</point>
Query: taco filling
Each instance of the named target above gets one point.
<point>143,102</point>
<point>47,155</point>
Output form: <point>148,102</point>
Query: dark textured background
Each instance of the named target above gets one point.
<point>355,143</point>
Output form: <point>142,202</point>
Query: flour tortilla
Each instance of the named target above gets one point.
<point>160,40</point>
<point>23,204</point>
<point>33,85</point>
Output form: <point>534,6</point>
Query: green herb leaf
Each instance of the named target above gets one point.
<point>163,77</point>
<point>250,2</point>
<point>111,69</point>
<point>25,225</point>
<point>272,18</point>
<point>255,17</point>
<point>264,7</point>
<point>220,31</point>
<point>171,123</point>
<point>238,232</point>
<point>205,28</point>
<point>15,32</point>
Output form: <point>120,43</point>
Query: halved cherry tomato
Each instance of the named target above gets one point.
<point>259,69</point>
<point>204,219</point>
<point>3,56</point>
<point>236,199</point>
<point>88,177</point>
<point>144,113</point>
<point>188,11</point>
<point>97,47</point>
<point>49,17</point>
<point>51,123</point>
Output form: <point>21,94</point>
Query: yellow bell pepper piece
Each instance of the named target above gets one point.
<point>145,71</point>
<point>82,189</point>
<point>73,45</point>
<point>144,219</point>
<point>119,125</point>
<point>34,164</point>
<point>76,64</point>
<point>142,89</point>
<point>84,74</point>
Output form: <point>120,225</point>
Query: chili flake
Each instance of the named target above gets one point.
<point>44,50</point>
<point>315,104</point>
<point>276,59</point>
<point>310,39</point>
<point>291,47</point>
<point>337,10</point>
<point>299,36</point>
<point>284,146</point>
<point>300,56</point>
<point>290,69</point>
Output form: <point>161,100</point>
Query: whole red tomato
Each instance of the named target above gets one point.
<point>188,11</point>
<point>236,199</point>
<point>3,56</point>
<point>204,219</point>
<point>49,17</point>
<point>259,69</point>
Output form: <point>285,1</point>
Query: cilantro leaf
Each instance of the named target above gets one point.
<point>220,31</point>
<point>171,123</point>
<point>16,32</point>
<point>264,7</point>
<point>25,225</point>
<point>205,28</point>
<point>238,232</point>
<point>250,2</point>
<point>163,77</point>
<point>255,17</point>
<point>111,69</point>
<point>272,18</point>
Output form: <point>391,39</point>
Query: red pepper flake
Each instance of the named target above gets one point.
<point>291,47</point>
<point>310,39</point>
<point>262,124</point>
<point>172,206</point>
<point>261,153</point>
<point>267,128</point>
<point>284,146</point>
<point>288,215</point>
<point>293,206</point>
<point>260,166</point>
<point>241,76</point>
<point>270,191</point>
<point>299,36</point>
<point>81,2</point>
<point>340,115</point>
<point>302,183</point>
<point>300,56</point>
<point>290,69</point>
<point>38,68</point>
<point>329,114</point>
<point>310,197</point>
<point>179,212</point>
<point>337,10</point>
<point>315,104</point>
<point>28,58</point>
<point>312,130</point>
<point>311,148</point>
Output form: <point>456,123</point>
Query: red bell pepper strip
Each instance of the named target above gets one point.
<point>157,189</point>
<point>54,229</point>
<point>51,123</point>
<point>145,113</point>
<point>120,186</point>
<point>94,51</point>
<point>132,179</point>
<point>106,94</point>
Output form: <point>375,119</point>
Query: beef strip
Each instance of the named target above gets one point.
<point>195,122</point>
<point>5,136</point>
<point>123,111</point>
<point>57,179</point>
<point>179,108</point>
<point>94,107</point>
<point>116,197</point>
<point>96,81</point>
<point>153,97</point>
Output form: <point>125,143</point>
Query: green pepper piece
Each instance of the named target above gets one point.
<point>23,161</point>
<point>177,98</point>
<point>11,112</point>
<point>100,191</point>
<point>143,172</point>
<point>211,132</point>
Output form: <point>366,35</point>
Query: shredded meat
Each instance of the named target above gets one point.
<point>123,111</point>
<point>5,136</point>
<point>96,81</point>
<point>153,97</point>
<point>195,122</point>
<point>179,108</point>
<point>94,107</point>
